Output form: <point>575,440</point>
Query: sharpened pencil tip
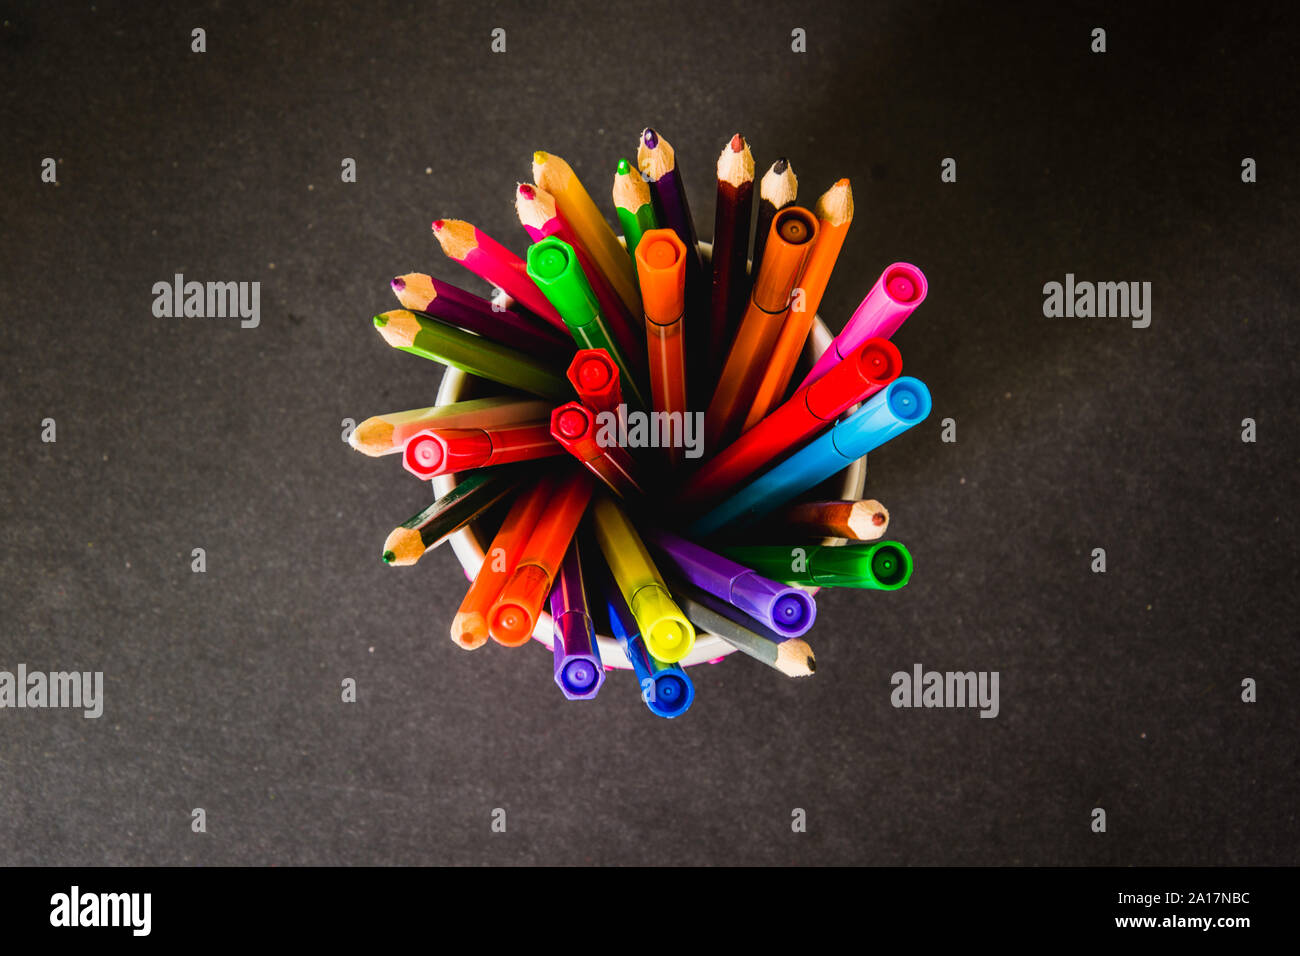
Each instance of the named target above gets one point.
<point>438,224</point>
<point>398,283</point>
<point>527,191</point>
<point>540,156</point>
<point>737,143</point>
<point>624,167</point>
<point>780,165</point>
<point>650,138</point>
<point>389,557</point>
<point>381,320</point>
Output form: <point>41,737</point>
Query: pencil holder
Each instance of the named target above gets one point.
<point>468,543</point>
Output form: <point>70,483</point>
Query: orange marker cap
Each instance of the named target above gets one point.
<point>789,243</point>
<point>661,270</point>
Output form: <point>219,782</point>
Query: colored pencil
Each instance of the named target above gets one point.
<point>666,689</point>
<point>834,213</point>
<point>778,188</point>
<point>730,247</point>
<point>794,232</point>
<point>387,434</point>
<point>661,267</point>
<point>541,219</point>
<point>594,376</point>
<point>421,293</point>
<point>883,416</point>
<point>809,410</point>
<point>558,178</point>
<point>440,451</point>
<point>864,520</point>
<point>436,341</point>
<point>485,257</point>
<point>790,656</point>
<point>632,203</point>
<point>669,636</point>
<point>893,297</point>
<point>513,616</point>
<point>427,529</point>
<point>469,628</point>
<point>574,426</point>
<point>883,566</point>
<point>553,265</point>
<point>658,163</point>
<point>575,656</point>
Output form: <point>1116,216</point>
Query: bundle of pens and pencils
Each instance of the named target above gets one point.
<point>656,464</point>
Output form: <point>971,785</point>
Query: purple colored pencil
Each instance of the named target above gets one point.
<point>578,670</point>
<point>658,164</point>
<point>788,611</point>
<point>514,327</point>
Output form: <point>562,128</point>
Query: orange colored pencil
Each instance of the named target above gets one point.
<point>834,212</point>
<point>514,613</point>
<point>469,628</point>
<point>793,235</point>
<point>485,257</point>
<point>661,267</point>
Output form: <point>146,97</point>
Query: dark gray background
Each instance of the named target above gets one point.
<point>222,689</point>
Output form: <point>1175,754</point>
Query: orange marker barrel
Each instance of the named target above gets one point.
<point>661,270</point>
<point>789,243</point>
<point>514,614</point>
<point>469,628</point>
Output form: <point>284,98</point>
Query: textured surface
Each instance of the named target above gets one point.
<point>222,689</point>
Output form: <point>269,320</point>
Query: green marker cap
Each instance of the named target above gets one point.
<point>553,266</point>
<point>883,566</point>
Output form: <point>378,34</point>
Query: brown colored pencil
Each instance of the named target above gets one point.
<point>730,239</point>
<point>856,520</point>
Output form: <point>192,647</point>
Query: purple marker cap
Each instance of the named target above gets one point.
<point>786,610</point>
<point>578,669</point>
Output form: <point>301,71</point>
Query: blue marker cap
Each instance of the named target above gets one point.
<point>669,691</point>
<point>886,414</point>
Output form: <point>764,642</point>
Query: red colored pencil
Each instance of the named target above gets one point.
<point>485,257</point>
<point>730,248</point>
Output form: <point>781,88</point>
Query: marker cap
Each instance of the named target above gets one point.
<point>514,615</point>
<point>553,265</point>
<point>669,637</point>
<point>595,378</point>
<point>428,453</point>
<point>875,363</point>
<point>884,415</point>
<point>661,269</point>
<point>883,566</point>
<point>786,610</point>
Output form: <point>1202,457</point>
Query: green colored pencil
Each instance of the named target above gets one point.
<point>427,337</point>
<point>423,532</point>
<point>632,202</point>
<point>883,566</point>
<point>553,265</point>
